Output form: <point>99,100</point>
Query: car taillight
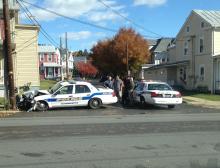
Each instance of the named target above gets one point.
<point>153,94</point>
<point>113,94</point>
<point>178,94</point>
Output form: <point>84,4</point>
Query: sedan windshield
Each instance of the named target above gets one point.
<point>159,87</point>
<point>55,88</point>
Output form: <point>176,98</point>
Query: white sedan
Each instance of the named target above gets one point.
<point>74,93</point>
<point>156,93</point>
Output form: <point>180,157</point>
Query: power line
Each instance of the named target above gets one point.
<point>127,19</point>
<point>70,18</point>
<point>79,21</point>
<point>42,30</point>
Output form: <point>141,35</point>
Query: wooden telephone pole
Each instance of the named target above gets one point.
<point>67,57</point>
<point>8,56</point>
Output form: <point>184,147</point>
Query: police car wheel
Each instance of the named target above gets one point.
<point>171,106</point>
<point>42,106</point>
<point>94,103</point>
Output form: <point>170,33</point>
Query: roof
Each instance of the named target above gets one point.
<point>161,55</point>
<point>210,16</point>
<point>74,82</point>
<point>80,59</point>
<point>152,42</point>
<point>162,44</point>
<point>46,48</point>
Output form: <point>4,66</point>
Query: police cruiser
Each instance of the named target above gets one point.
<point>156,93</point>
<point>72,94</point>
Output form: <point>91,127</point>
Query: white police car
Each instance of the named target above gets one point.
<point>156,93</point>
<point>74,93</point>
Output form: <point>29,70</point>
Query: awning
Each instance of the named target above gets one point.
<point>174,64</point>
<point>51,64</point>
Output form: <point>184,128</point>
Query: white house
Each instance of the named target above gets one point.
<point>193,59</point>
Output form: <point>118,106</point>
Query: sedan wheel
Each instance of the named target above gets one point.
<point>42,106</point>
<point>171,106</point>
<point>94,103</point>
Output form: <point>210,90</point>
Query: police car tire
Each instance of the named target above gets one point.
<point>171,106</point>
<point>94,103</point>
<point>42,106</point>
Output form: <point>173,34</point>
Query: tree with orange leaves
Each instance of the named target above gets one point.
<point>126,50</point>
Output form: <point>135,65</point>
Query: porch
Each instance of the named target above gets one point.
<point>50,71</point>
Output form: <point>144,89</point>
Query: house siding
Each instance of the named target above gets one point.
<point>26,60</point>
<point>194,56</point>
<point>216,42</point>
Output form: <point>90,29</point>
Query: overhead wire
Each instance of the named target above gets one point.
<point>84,22</point>
<point>34,21</point>
<point>128,19</point>
<point>70,18</point>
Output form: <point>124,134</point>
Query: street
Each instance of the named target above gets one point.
<point>113,136</point>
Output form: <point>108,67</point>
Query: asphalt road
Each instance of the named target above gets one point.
<point>112,137</point>
<point>117,109</point>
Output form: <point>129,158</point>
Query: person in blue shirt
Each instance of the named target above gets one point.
<point>109,83</point>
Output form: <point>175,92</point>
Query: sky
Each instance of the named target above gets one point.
<point>88,21</point>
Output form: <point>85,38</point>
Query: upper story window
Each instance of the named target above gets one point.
<point>201,45</point>
<point>187,29</point>
<point>186,48</point>
<point>50,57</point>
<point>202,24</point>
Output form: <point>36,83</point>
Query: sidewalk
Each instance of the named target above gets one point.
<point>201,102</point>
<point>8,113</point>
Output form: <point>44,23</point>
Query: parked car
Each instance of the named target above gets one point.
<point>156,93</point>
<point>73,93</point>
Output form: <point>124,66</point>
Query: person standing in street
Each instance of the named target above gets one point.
<point>109,83</point>
<point>118,86</point>
<point>128,88</point>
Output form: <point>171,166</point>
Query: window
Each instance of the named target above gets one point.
<point>82,89</point>
<point>201,45</point>
<point>50,57</point>
<point>187,29</point>
<point>50,71</point>
<point>159,87</point>
<point>202,24</point>
<point>66,90</point>
<point>41,57</point>
<point>201,72</point>
<point>185,48</point>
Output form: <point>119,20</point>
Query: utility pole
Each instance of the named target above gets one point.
<point>8,55</point>
<point>61,59</point>
<point>127,68</point>
<point>67,69</point>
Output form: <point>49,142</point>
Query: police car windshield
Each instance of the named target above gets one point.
<point>55,88</point>
<point>159,87</point>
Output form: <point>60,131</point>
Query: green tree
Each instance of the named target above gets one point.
<point>80,53</point>
<point>110,55</point>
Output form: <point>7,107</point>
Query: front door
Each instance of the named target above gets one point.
<point>63,97</point>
